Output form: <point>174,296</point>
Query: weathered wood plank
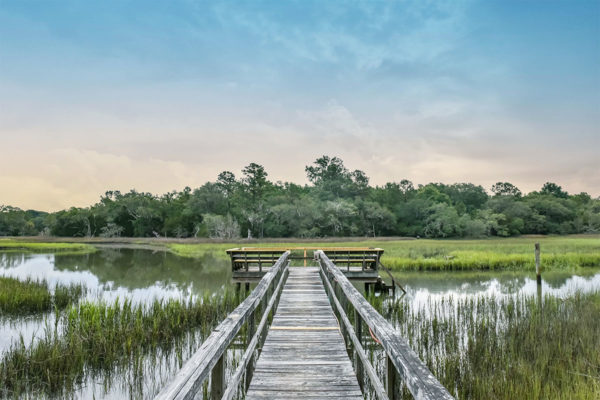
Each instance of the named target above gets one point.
<point>304,355</point>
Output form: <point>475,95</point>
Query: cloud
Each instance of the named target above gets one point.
<point>417,89</point>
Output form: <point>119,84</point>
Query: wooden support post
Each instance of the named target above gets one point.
<point>259,263</point>
<point>537,264</point>
<point>247,287</point>
<point>305,256</point>
<point>358,368</point>
<point>390,381</point>
<point>217,378</point>
<point>250,334</point>
<point>358,325</point>
<point>348,259</point>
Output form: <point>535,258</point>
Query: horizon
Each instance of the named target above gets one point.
<point>115,96</point>
<point>238,176</point>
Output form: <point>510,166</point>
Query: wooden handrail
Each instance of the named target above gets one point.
<point>257,339</point>
<point>282,249</point>
<point>360,352</point>
<point>415,374</point>
<point>197,369</point>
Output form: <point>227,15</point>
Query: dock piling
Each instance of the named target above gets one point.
<point>537,264</point>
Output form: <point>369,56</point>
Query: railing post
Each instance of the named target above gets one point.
<point>364,261</point>
<point>348,259</point>
<point>358,325</point>
<point>390,381</point>
<point>217,378</point>
<point>359,367</point>
<point>250,334</point>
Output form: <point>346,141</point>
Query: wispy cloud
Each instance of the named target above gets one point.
<point>162,95</point>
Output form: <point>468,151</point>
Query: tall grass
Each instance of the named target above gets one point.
<point>31,296</point>
<point>489,260</point>
<point>509,347</point>
<point>48,247</point>
<point>93,337</point>
<point>558,253</point>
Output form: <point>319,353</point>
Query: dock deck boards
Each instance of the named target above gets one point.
<point>354,272</point>
<point>304,355</point>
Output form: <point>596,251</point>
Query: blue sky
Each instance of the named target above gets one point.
<point>159,95</point>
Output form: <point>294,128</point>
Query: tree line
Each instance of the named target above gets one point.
<point>337,202</point>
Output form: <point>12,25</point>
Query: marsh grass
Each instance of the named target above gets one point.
<point>489,260</point>
<point>92,338</point>
<point>514,347</point>
<point>558,253</point>
<point>31,296</point>
<point>45,247</point>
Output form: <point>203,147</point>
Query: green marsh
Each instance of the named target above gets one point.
<point>145,311</point>
<point>32,296</point>
<point>512,347</point>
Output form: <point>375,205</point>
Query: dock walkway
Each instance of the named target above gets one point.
<point>303,336</point>
<point>304,355</point>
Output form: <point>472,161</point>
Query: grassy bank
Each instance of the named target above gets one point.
<point>508,348</point>
<point>99,337</point>
<point>30,296</point>
<point>563,252</point>
<point>45,247</point>
<point>558,252</point>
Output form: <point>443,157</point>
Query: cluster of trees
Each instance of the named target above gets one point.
<point>338,202</point>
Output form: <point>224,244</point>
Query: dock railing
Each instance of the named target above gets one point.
<point>401,361</point>
<point>209,360</point>
<point>262,258</point>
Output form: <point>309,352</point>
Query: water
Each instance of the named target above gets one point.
<point>424,287</point>
<point>139,275</point>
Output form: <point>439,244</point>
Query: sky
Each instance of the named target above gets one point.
<point>159,95</point>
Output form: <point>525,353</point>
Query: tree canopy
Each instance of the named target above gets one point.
<point>337,202</point>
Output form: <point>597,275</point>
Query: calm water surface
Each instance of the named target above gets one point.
<point>425,287</point>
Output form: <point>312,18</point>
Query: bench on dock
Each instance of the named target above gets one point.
<point>304,334</point>
<point>251,263</point>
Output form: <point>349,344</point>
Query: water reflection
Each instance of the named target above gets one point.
<point>425,287</point>
<point>139,275</point>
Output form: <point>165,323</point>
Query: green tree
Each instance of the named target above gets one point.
<point>553,189</point>
<point>505,189</point>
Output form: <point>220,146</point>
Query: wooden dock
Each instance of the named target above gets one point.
<point>304,355</point>
<point>299,339</point>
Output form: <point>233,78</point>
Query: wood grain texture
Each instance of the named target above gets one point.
<point>304,355</point>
